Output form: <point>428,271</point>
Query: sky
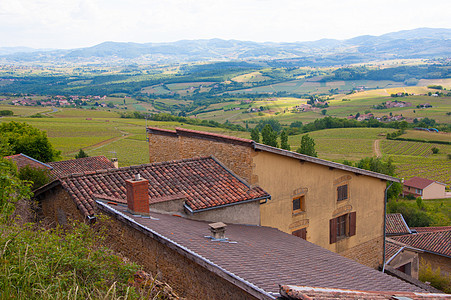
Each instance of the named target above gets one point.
<point>65,24</point>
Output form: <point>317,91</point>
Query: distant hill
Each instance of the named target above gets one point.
<point>416,43</point>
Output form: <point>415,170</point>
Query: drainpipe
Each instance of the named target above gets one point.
<point>385,223</point>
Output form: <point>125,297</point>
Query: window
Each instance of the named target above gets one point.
<point>302,233</point>
<point>299,204</point>
<point>342,192</point>
<point>342,227</point>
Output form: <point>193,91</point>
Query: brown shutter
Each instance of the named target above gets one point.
<point>352,223</point>
<point>302,233</point>
<point>333,231</point>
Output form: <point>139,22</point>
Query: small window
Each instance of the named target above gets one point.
<point>342,192</point>
<point>299,204</point>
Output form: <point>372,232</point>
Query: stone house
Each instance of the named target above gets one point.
<point>337,207</point>
<point>424,188</point>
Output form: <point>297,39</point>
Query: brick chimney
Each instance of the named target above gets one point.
<point>137,195</point>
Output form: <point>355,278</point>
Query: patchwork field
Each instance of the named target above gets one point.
<point>105,133</point>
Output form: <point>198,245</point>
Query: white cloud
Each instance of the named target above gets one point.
<point>77,23</point>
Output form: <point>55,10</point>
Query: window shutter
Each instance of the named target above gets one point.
<point>333,231</point>
<point>302,233</point>
<point>352,223</point>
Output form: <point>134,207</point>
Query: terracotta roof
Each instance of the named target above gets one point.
<point>23,160</point>
<point>392,248</point>
<point>396,225</point>
<point>203,182</point>
<point>80,165</point>
<point>431,229</point>
<point>418,182</point>
<point>309,293</point>
<point>257,146</point>
<point>260,257</point>
<point>438,242</point>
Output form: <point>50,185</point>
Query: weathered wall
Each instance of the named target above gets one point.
<point>188,278</point>
<point>163,147</point>
<point>235,157</point>
<point>245,213</point>
<point>434,191</point>
<point>407,256</point>
<point>58,207</point>
<point>437,261</point>
<point>284,177</point>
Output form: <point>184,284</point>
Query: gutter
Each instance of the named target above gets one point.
<point>191,211</point>
<point>385,226</point>
<point>241,283</point>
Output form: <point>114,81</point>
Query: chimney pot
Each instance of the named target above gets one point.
<point>137,195</point>
<point>218,230</point>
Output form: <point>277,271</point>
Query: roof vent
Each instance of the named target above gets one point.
<point>137,177</point>
<point>218,230</point>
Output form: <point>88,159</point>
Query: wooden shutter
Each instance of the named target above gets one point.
<point>352,223</point>
<point>333,231</point>
<point>302,233</point>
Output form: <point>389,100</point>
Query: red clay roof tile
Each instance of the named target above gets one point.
<point>80,165</point>
<point>396,225</point>
<point>438,242</point>
<point>418,182</point>
<point>203,182</point>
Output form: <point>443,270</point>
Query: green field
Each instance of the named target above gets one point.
<point>101,132</point>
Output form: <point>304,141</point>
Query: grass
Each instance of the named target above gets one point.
<point>56,264</point>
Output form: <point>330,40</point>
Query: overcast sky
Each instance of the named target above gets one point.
<point>84,23</point>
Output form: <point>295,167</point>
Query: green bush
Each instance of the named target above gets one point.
<point>435,277</point>
<point>57,264</point>
<point>37,176</point>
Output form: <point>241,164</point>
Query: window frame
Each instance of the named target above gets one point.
<point>301,208</point>
<point>342,227</point>
<point>340,192</point>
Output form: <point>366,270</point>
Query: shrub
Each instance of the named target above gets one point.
<point>57,264</point>
<point>435,150</point>
<point>37,176</point>
<point>435,277</point>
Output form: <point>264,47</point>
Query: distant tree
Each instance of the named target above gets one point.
<point>269,136</point>
<point>284,140</point>
<point>324,112</point>
<point>24,138</point>
<point>81,154</point>
<point>275,124</point>
<point>435,150</point>
<point>255,135</point>
<point>307,146</point>
<point>6,113</point>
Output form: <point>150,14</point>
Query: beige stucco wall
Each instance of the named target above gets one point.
<point>434,191</point>
<point>285,177</point>
<point>245,213</point>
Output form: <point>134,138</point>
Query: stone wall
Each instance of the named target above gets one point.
<point>163,147</point>
<point>368,254</point>
<point>436,261</point>
<point>188,278</point>
<point>57,206</point>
